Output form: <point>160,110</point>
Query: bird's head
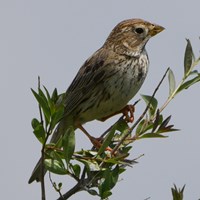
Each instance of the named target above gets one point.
<point>130,36</point>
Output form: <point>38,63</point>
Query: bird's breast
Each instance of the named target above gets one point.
<point>122,81</point>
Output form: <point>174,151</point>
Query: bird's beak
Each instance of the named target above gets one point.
<point>154,29</point>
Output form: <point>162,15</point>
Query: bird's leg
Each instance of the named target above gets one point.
<point>127,111</point>
<point>95,141</point>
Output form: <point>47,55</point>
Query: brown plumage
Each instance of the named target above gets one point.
<point>109,79</point>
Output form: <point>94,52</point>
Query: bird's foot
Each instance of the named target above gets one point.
<point>127,112</point>
<point>97,142</point>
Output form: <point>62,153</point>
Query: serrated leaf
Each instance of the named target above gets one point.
<point>172,82</point>
<point>43,104</point>
<point>189,83</point>
<point>188,58</point>
<point>68,143</point>
<point>55,166</point>
<point>153,103</point>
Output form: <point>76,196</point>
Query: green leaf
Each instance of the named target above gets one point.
<point>188,58</point>
<point>55,166</point>
<point>110,178</point>
<point>121,126</point>
<point>91,165</point>
<point>60,185</point>
<point>42,95</point>
<point>107,140</point>
<point>47,93</point>
<point>172,82</point>
<point>189,83</point>
<point>76,169</point>
<point>43,104</point>
<point>152,135</point>
<point>164,123</point>
<point>93,192</point>
<point>68,144</point>
<point>57,116</point>
<point>177,193</point>
<point>35,123</point>
<point>50,103</point>
<point>140,127</point>
<point>54,96</point>
<point>157,121</point>
<point>153,103</point>
<point>38,130</point>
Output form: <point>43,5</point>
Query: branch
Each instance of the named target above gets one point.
<point>42,154</point>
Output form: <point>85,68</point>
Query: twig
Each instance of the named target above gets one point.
<point>77,188</point>
<point>43,193</point>
<point>40,110</point>
<point>54,185</point>
<point>42,153</point>
<point>141,117</point>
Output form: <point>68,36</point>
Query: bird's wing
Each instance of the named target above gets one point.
<point>87,79</point>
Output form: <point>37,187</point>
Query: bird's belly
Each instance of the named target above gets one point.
<point>118,91</point>
<point>121,92</point>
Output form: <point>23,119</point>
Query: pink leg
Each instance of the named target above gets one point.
<point>127,111</point>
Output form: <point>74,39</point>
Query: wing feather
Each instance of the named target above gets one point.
<point>87,79</point>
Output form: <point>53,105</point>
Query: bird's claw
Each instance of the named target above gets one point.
<point>128,111</point>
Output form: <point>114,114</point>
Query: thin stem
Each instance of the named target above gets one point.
<point>54,185</point>
<point>180,84</point>
<point>40,110</point>
<point>171,96</point>
<point>42,153</point>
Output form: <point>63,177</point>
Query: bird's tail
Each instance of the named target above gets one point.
<point>60,130</point>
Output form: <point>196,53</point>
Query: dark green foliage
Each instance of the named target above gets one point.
<point>177,193</point>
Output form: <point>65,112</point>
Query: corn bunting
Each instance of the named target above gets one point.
<point>108,80</point>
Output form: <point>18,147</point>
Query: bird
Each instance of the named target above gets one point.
<point>107,80</point>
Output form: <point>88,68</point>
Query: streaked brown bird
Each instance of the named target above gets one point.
<point>108,80</point>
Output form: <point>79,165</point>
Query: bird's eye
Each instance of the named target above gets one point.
<point>139,30</point>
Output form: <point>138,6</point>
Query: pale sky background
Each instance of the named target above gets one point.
<point>52,39</point>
